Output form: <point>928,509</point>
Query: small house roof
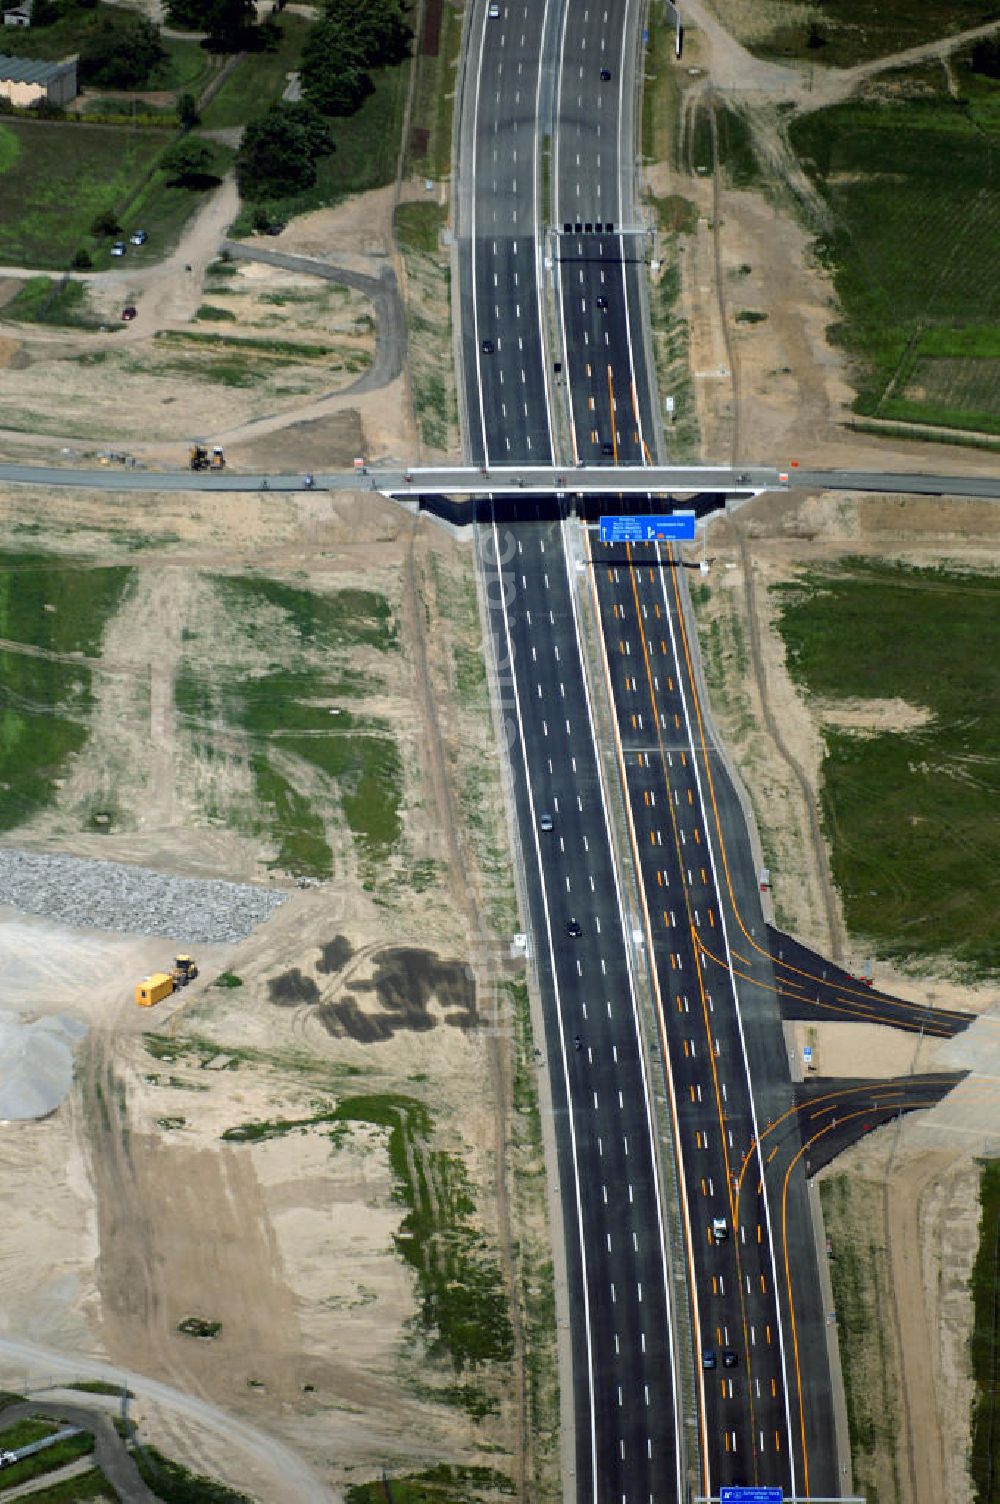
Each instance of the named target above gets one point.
<point>30,70</point>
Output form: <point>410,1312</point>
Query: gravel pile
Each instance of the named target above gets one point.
<point>133,900</point>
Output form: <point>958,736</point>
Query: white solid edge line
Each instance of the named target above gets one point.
<point>474,196</point>
<point>539,249</point>
<point>739,1020</point>
<point>562,1027</point>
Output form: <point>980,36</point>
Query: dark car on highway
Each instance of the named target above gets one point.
<point>574,929</point>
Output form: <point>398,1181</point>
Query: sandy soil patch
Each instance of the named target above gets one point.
<point>874,716</point>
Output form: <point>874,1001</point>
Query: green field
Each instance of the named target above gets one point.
<point>55,178</point>
<point>911,817</point>
<point>258,79</point>
<point>837,33</point>
<point>984,1460</point>
<point>312,760</point>
<point>44,700</point>
<point>916,206</point>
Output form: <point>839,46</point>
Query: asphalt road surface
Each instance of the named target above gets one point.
<point>625,1441</point>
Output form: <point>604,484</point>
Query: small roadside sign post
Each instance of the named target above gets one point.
<point>673,527</point>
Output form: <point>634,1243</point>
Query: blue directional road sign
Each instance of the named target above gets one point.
<point>738,1494</point>
<point>675,527</point>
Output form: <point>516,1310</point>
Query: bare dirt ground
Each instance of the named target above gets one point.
<point>127,390</point>
<point>127,1212</point>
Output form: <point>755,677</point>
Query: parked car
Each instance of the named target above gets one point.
<point>118,249</point>
<point>139,237</point>
<point>129,312</point>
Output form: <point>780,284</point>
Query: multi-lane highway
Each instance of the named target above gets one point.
<point>752,1357</point>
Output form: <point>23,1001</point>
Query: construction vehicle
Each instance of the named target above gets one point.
<point>153,989</point>
<point>185,970</point>
<point>200,459</point>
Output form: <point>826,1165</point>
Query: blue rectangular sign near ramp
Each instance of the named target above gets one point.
<point>739,1494</point>
<point>675,527</point>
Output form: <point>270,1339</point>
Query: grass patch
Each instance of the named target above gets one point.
<point>174,1484</point>
<point>255,1133</point>
<point>660,92</point>
<point>859,1271</point>
<point>909,815</point>
<point>215,315</point>
<point>307,753</point>
<point>366,146</point>
<point>245,361</point>
<point>671,356</point>
<point>345,619</point>
<point>44,701</point>
<point>463,1303</point>
<point>419,226</point>
<point>737,157</point>
<point>228,979</point>
<point>101,1386</point>
<point>428,322</point>
<point>436,1485</point>
<point>984,1460</point>
<point>675,214</point>
<point>197,1326</point>
<point>43,301</point>
<point>837,33</point>
<point>916,216</point>
<point>258,79</point>
<point>428,152</point>
<point>55,178</point>
<point>89,1485</point>
<point>23,1432</point>
<point>47,1461</point>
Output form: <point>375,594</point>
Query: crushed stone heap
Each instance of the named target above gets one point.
<point>132,900</point>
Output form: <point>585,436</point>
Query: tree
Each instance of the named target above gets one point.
<point>119,51</point>
<point>105,224</point>
<point>380,28</point>
<point>187,110</point>
<point>189,162</point>
<point>83,260</point>
<point>334,77</point>
<point>228,23</point>
<point>279,151</point>
<point>986,57</point>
